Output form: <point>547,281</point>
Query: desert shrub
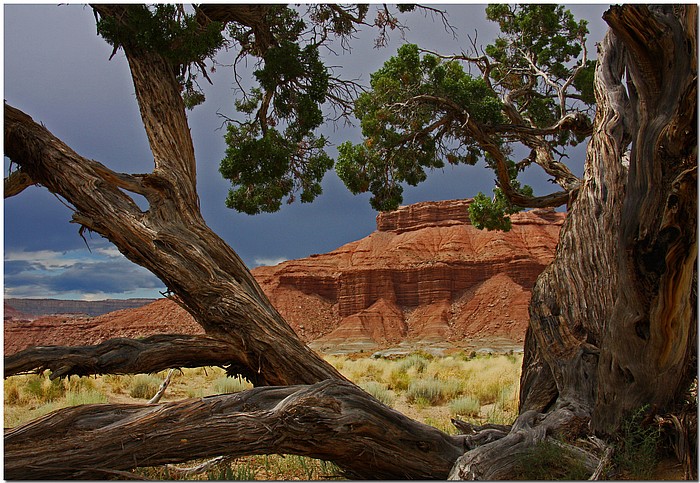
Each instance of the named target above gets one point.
<point>336,361</point>
<point>80,383</point>
<point>416,361</point>
<point>425,391</point>
<point>34,386</point>
<point>44,389</point>
<point>489,375</point>
<point>399,379</point>
<point>144,386</point>
<point>11,390</point>
<point>465,406</point>
<point>118,384</point>
<point>549,461</point>
<point>379,391</point>
<point>636,451</point>
<point>508,398</point>
<point>365,370</point>
<point>226,384</point>
<point>448,368</point>
<point>432,391</point>
<point>88,396</point>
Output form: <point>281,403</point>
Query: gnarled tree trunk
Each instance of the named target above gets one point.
<point>170,238</point>
<point>613,319</point>
<point>245,333</point>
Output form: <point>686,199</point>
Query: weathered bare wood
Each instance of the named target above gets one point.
<point>613,319</point>
<point>498,458</point>
<point>124,356</point>
<point>161,389</point>
<point>646,352</point>
<point>17,182</point>
<point>331,420</point>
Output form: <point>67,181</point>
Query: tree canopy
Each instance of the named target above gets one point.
<point>532,87</point>
<point>528,92</point>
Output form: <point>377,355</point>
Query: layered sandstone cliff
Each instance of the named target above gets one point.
<point>426,275</point>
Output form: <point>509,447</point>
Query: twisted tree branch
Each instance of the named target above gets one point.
<point>124,356</point>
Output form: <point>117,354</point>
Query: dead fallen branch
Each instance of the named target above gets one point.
<point>124,356</point>
<point>331,420</point>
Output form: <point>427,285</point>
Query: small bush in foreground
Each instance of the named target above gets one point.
<point>379,391</point>
<point>44,389</point>
<point>399,380</point>
<point>637,451</point>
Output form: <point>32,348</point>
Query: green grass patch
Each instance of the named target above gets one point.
<point>637,450</point>
<point>549,461</point>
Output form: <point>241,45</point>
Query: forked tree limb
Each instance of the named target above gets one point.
<point>171,240</point>
<point>17,182</point>
<point>330,420</point>
<point>124,356</point>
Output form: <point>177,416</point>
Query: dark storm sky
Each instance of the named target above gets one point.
<point>56,69</point>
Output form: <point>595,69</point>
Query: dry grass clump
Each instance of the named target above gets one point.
<point>31,396</point>
<point>424,387</point>
<point>379,391</point>
<point>227,385</point>
<point>431,392</point>
<point>144,386</point>
<point>489,375</point>
<point>465,406</point>
<point>428,388</point>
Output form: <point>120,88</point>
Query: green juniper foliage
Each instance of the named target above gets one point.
<point>532,87</point>
<point>275,154</point>
<point>172,33</point>
<point>425,110</point>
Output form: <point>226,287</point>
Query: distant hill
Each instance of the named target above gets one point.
<point>42,307</point>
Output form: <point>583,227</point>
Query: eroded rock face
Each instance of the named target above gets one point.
<point>426,275</point>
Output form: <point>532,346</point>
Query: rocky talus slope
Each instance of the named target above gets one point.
<point>425,276</point>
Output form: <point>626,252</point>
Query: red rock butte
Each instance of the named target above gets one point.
<point>425,276</point>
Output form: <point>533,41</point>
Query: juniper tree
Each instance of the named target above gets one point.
<point>613,318</point>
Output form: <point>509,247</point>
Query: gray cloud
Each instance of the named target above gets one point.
<point>112,276</point>
<point>56,70</point>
